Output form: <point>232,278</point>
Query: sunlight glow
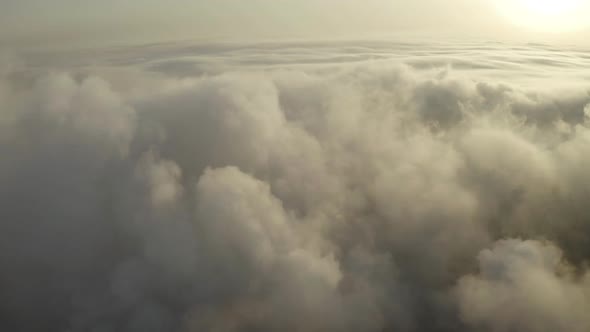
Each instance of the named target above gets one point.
<point>549,8</point>
<point>547,15</point>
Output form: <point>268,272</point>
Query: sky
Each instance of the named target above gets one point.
<point>62,22</point>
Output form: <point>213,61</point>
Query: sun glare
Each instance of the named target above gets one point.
<point>549,8</point>
<point>547,15</point>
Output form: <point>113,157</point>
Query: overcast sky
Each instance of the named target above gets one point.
<point>86,21</point>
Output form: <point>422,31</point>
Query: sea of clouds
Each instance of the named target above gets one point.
<point>344,186</point>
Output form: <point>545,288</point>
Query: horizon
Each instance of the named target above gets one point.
<point>70,23</point>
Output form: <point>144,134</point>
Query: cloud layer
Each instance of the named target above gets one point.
<point>341,197</point>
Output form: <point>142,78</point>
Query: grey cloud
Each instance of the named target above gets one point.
<point>371,196</point>
<point>524,285</point>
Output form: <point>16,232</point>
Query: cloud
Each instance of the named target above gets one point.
<point>366,196</point>
<point>524,285</point>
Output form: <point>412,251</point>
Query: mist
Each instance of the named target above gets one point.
<point>62,24</point>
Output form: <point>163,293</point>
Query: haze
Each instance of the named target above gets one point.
<point>64,22</point>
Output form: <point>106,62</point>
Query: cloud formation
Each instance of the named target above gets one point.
<point>339,197</point>
<point>524,286</point>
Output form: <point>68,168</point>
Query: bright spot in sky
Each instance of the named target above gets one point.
<point>547,15</point>
<point>550,8</point>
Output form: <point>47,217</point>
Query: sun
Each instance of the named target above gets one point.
<point>547,15</point>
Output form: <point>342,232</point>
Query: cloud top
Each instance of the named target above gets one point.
<point>371,196</point>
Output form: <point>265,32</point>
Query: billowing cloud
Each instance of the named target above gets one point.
<point>303,196</point>
<point>525,286</point>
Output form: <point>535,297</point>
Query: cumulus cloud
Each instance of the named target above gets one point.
<point>372,196</point>
<point>525,286</point>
